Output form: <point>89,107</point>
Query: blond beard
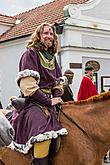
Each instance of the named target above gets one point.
<point>48,44</point>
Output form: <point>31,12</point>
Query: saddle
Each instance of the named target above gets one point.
<point>20,103</point>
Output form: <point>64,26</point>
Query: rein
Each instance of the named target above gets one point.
<point>74,122</point>
<point>59,109</point>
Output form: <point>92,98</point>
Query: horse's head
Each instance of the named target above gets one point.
<point>6,131</point>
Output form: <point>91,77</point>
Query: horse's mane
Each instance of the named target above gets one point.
<point>100,97</point>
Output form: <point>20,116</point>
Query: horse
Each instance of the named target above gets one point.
<point>88,139</point>
<point>6,130</point>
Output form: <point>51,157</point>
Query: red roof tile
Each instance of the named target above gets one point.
<point>51,12</point>
<point>8,20</point>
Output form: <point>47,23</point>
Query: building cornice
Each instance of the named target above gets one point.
<point>84,49</point>
<point>74,16</point>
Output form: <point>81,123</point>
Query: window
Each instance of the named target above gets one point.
<point>95,81</point>
<point>105,83</point>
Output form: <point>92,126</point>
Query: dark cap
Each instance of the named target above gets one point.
<point>89,67</point>
<point>68,73</point>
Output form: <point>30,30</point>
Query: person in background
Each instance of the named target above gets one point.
<point>37,80</point>
<point>87,87</point>
<point>68,93</point>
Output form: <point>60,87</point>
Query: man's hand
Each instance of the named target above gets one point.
<point>56,100</point>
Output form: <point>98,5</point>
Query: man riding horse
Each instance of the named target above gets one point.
<point>36,125</point>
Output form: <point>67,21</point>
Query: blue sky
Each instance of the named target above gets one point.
<point>13,7</point>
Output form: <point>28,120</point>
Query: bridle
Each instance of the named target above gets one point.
<point>78,126</point>
<point>74,122</point>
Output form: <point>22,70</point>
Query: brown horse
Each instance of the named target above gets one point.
<point>88,140</point>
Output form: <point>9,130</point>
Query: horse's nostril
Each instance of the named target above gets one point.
<point>11,132</point>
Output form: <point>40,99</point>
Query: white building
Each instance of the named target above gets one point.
<point>85,40</point>
<point>85,37</point>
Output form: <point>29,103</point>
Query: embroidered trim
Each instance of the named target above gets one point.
<point>27,73</point>
<point>24,148</point>
<point>49,64</point>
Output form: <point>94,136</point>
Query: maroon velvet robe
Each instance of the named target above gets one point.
<point>32,121</point>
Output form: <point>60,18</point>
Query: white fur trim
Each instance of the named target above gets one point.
<point>21,147</point>
<point>64,80</point>
<point>63,131</point>
<point>39,138</point>
<point>27,73</point>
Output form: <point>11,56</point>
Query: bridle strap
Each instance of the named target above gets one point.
<point>74,122</point>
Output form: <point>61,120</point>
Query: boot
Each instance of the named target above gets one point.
<point>42,161</point>
<point>50,162</point>
<point>54,146</point>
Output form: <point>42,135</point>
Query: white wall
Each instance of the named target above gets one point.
<point>104,67</point>
<point>102,10</point>
<point>84,38</point>
<point>10,53</point>
<point>82,55</point>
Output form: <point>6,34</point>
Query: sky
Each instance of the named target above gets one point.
<point>13,7</point>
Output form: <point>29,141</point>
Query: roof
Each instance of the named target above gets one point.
<point>51,12</point>
<point>7,20</point>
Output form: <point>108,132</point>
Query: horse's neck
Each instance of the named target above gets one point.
<point>96,121</point>
<point>94,118</point>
